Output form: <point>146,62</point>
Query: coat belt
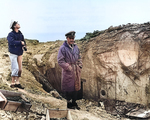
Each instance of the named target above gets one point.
<point>72,63</point>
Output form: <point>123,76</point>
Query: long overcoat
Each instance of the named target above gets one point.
<point>70,56</point>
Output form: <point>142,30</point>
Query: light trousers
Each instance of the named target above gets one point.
<point>14,65</point>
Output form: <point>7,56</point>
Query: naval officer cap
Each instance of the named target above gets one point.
<point>13,23</point>
<point>70,34</point>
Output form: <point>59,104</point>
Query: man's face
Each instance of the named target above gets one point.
<point>70,40</point>
<point>17,26</point>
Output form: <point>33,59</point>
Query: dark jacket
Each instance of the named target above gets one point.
<point>14,42</point>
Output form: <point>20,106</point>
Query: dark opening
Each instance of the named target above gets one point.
<point>103,92</point>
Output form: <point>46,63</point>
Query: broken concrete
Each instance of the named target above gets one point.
<point>116,64</point>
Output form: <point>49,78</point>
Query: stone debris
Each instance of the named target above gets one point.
<point>55,94</point>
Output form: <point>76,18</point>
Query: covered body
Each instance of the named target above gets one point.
<point>15,48</point>
<point>70,56</point>
<point>14,42</point>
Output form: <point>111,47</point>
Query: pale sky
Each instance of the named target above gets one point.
<point>49,20</point>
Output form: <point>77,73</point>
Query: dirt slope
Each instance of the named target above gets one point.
<point>32,78</point>
<point>115,66</point>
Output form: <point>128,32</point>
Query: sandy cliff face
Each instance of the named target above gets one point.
<point>116,64</point>
<point>39,68</point>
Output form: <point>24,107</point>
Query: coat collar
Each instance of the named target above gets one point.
<point>66,44</point>
<point>16,32</point>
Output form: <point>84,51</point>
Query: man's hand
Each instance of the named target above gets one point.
<point>70,68</point>
<point>22,42</point>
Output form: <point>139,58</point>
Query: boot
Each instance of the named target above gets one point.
<point>12,86</point>
<point>69,105</point>
<point>74,104</point>
<point>19,86</point>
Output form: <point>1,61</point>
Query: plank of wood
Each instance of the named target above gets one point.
<point>58,113</point>
<point>1,99</point>
<point>7,93</point>
<point>3,103</point>
<point>69,115</point>
<point>12,106</point>
<point>47,115</point>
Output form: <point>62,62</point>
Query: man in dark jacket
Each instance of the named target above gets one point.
<point>70,61</point>
<point>16,44</point>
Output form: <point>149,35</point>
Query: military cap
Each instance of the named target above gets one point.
<point>70,34</point>
<point>13,23</point>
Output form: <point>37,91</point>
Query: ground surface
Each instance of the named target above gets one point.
<point>38,97</point>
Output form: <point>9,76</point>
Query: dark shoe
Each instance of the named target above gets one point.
<point>74,104</point>
<point>12,86</point>
<point>69,105</point>
<point>77,107</point>
<point>19,86</point>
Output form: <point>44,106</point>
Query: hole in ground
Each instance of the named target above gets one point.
<point>103,92</point>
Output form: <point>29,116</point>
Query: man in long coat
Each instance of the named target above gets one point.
<point>70,61</point>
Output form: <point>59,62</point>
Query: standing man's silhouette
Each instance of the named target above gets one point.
<point>70,61</point>
<point>16,44</point>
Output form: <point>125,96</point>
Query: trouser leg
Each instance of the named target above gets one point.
<point>14,65</point>
<point>14,68</point>
<point>71,95</point>
<point>68,97</point>
<point>74,96</point>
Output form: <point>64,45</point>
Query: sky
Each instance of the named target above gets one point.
<point>49,20</point>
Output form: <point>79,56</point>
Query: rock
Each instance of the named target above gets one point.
<point>1,73</point>
<point>85,119</point>
<point>55,94</point>
<point>38,59</point>
<point>43,118</point>
<point>5,55</point>
<point>102,105</point>
<point>88,105</point>
<point>0,77</point>
<point>30,53</point>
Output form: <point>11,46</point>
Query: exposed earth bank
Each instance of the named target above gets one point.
<point>115,66</point>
